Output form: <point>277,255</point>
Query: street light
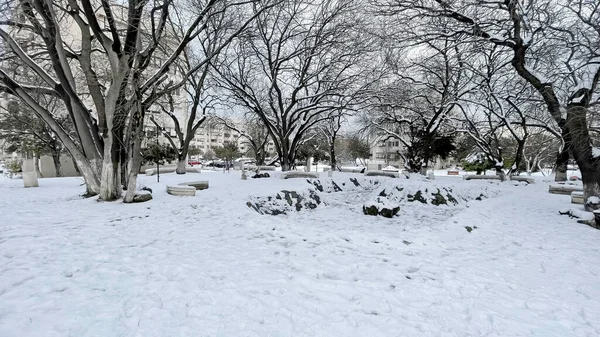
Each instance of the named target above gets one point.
<point>156,157</point>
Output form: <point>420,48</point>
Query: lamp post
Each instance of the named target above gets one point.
<point>156,157</point>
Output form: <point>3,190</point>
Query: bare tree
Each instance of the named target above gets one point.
<point>25,131</point>
<point>554,46</point>
<point>540,149</point>
<point>417,107</point>
<point>219,31</point>
<point>298,65</point>
<point>121,41</point>
<point>253,134</point>
<point>330,129</point>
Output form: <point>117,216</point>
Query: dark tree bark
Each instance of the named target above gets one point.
<point>562,161</point>
<point>57,163</point>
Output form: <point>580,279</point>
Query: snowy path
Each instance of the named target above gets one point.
<point>209,266</point>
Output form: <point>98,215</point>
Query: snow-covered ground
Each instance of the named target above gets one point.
<point>211,266</point>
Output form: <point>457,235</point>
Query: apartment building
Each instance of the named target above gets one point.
<point>214,134</point>
<point>386,151</point>
<point>211,135</point>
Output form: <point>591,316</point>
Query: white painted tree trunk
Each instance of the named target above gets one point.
<point>89,175</point>
<point>134,168</point>
<point>110,187</point>
<point>181,164</point>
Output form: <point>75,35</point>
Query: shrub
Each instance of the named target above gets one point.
<point>14,166</point>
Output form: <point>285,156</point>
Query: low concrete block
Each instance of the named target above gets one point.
<point>564,189</point>
<point>577,198</point>
<point>267,168</point>
<point>153,171</point>
<point>480,177</point>
<point>391,174</point>
<point>353,169</point>
<point>198,185</point>
<point>528,180</point>
<point>299,174</point>
<point>180,190</point>
<point>30,179</point>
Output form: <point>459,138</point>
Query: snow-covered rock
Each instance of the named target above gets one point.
<point>381,206</point>
<point>285,202</point>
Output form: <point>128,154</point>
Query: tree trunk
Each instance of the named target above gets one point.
<point>110,188</point>
<point>514,170</point>
<point>57,163</point>
<point>562,160</point>
<point>423,168</point>
<point>89,173</point>
<point>579,144</point>
<point>182,158</point>
<point>332,161</point>
<point>591,182</point>
<point>539,166</point>
<point>500,173</point>
<point>36,164</point>
<point>134,167</point>
<point>181,165</point>
<point>125,168</point>
<point>285,162</point>
<point>284,157</point>
<point>260,157</point>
